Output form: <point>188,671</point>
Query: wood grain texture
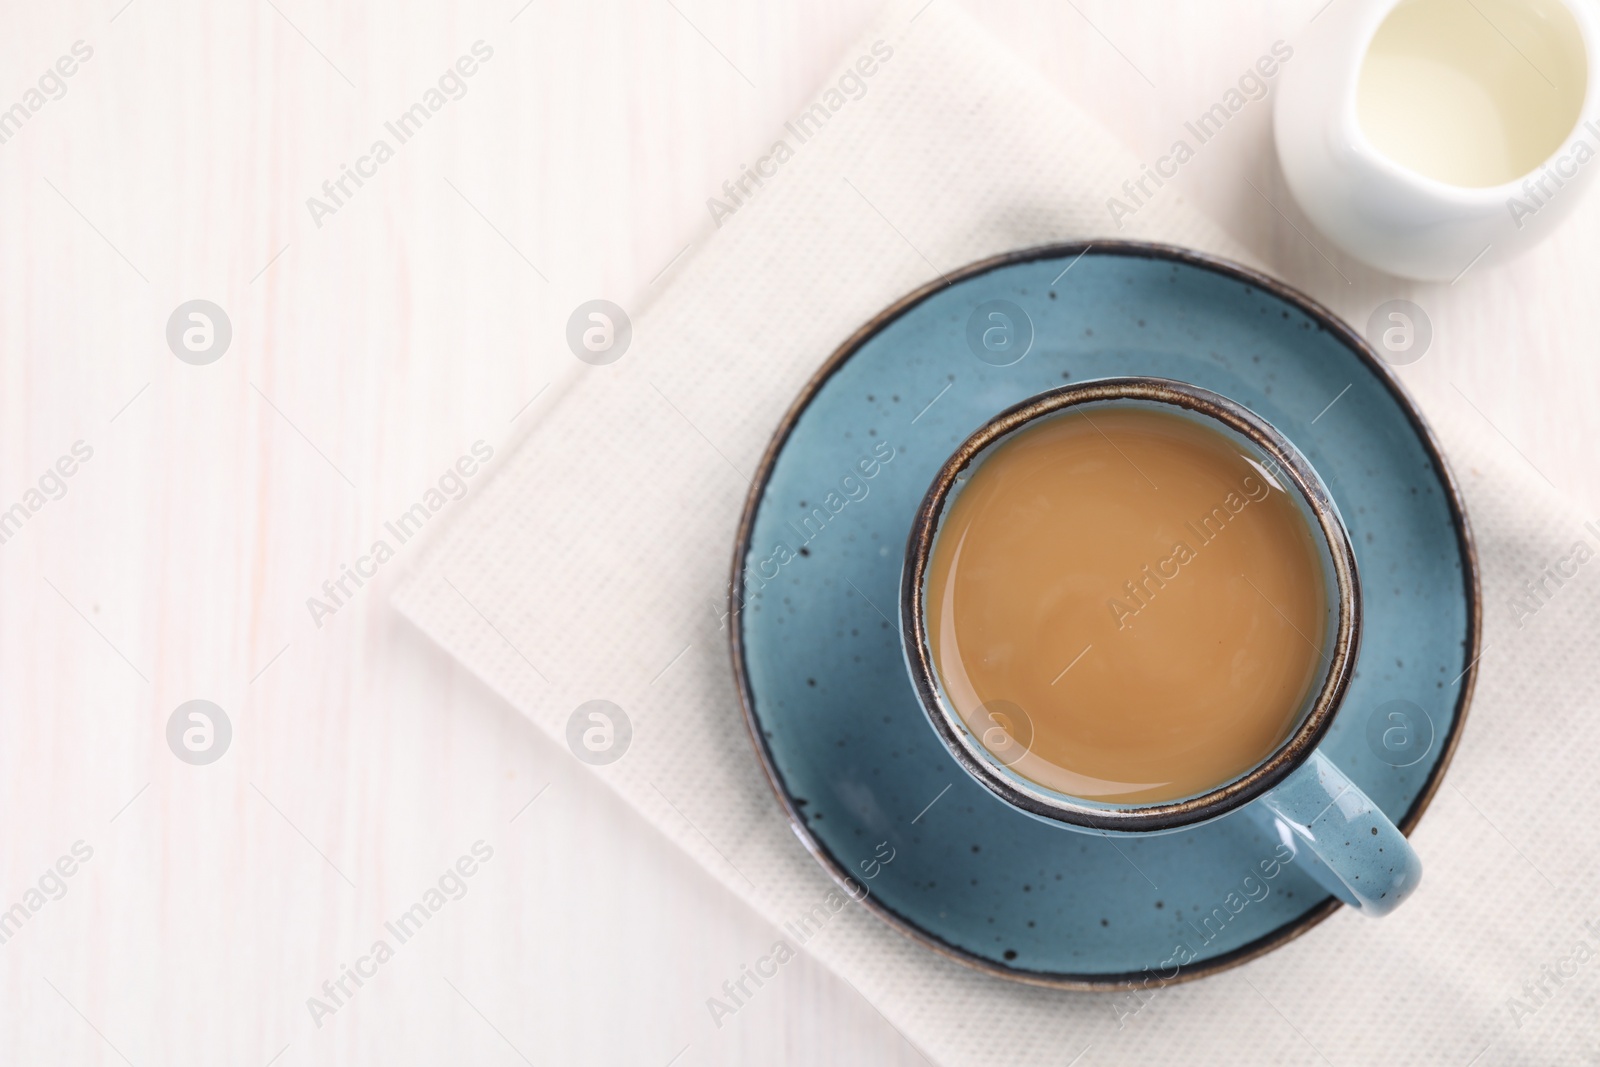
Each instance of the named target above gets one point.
<point>369,352</point>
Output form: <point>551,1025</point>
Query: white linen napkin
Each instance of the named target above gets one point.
<point>594,565</point>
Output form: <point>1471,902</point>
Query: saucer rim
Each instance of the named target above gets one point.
<point>1313,310</point>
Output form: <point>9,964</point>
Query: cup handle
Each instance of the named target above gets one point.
<point>1345,842</point>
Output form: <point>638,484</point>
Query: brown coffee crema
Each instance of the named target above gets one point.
<point>1126,605</point>
<point>1138,592</point>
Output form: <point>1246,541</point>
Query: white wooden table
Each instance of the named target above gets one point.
<point>372,345</point>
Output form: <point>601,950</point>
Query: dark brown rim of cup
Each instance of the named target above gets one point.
<point>841,872</point>
<point>1046,803</point>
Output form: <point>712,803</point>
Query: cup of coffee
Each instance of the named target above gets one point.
<point>1129,606</point>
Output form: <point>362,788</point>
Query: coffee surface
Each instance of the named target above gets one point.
<point>1125,606</point>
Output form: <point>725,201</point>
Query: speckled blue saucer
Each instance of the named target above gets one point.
<point>849,752</point>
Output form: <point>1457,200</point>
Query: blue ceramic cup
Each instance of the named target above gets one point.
<point>1338,834</point>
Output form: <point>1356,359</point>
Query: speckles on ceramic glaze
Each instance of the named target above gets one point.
<point>841,735</point>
